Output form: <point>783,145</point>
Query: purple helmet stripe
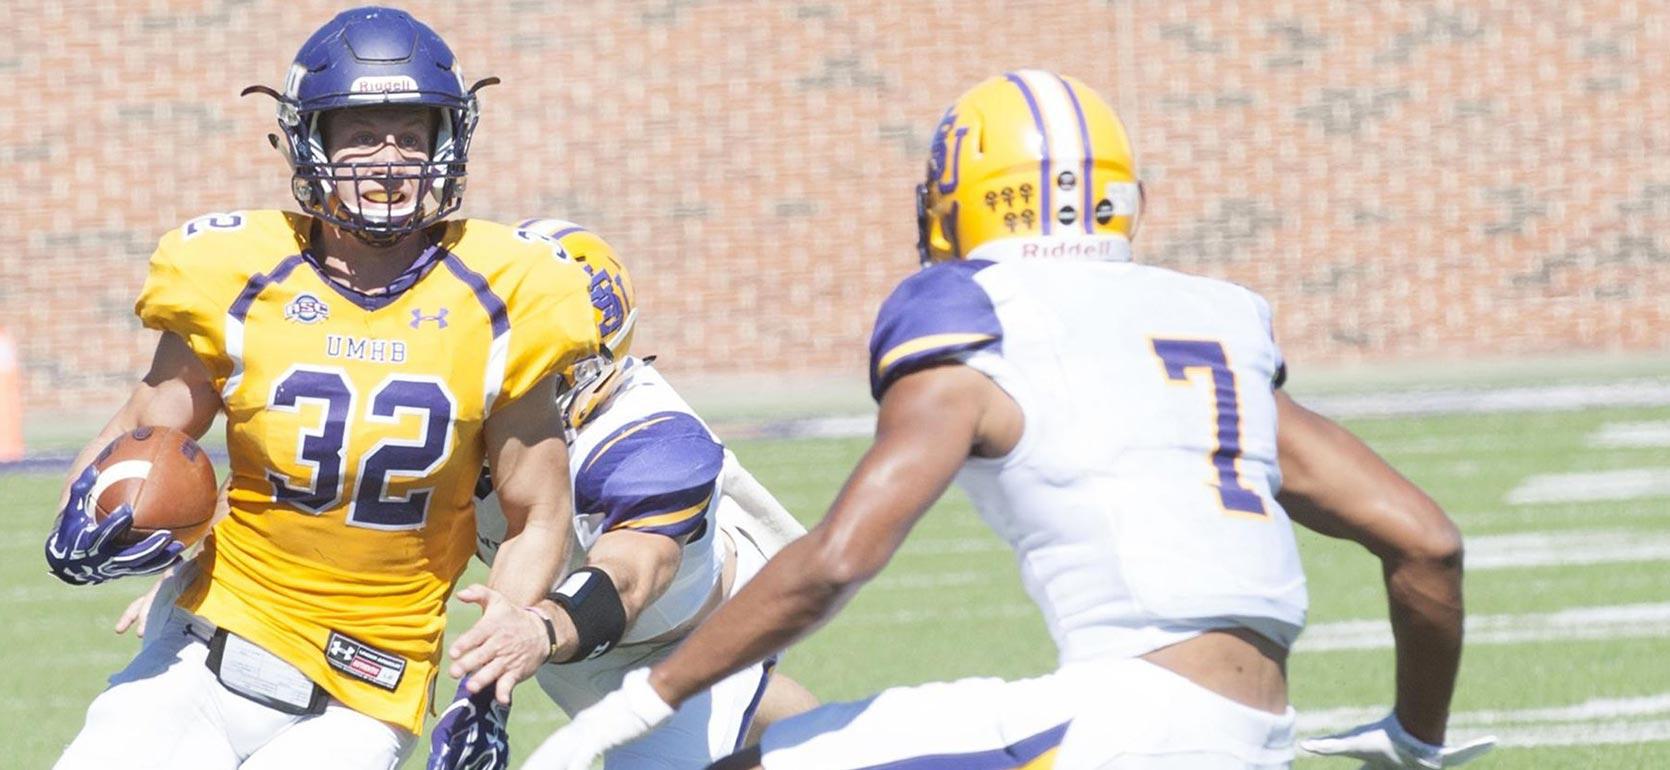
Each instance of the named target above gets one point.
<point>258,283</point>
<point>566,231</point>
<point>490,302</point>
<point>1086,213</point>
<point>1046,215</point>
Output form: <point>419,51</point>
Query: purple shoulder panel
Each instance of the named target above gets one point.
<point>935,314</point>
<point>655,474</point>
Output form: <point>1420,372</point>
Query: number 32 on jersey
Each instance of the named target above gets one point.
<point>325,449</point>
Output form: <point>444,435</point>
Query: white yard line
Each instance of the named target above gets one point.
<point>1553,398</point>
<point>918,581</point>
<point>1400,403</point>
<point>1546,549</point>
<point>939,546</point>
<point>1596,486</point>
<point>1631,435</point>
<point>1484,552</point>
<point>1626,621</point>
<point>1594,722</point>
<point>1588,711</point>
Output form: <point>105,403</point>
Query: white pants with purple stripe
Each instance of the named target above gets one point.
<point>707,727</point>
<point>1105,715</point>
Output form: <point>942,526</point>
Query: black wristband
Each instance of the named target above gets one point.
<point>590,599</point>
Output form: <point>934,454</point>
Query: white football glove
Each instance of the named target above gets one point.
<point>1385,745</point>
<point>621,716</point>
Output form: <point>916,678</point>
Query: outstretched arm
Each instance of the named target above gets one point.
<point>929,423</point>
<point>1334,484</point>
<point>924,432</point>
<point>529,459</point>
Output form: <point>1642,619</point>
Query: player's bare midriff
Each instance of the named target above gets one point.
<point>1237,663</point>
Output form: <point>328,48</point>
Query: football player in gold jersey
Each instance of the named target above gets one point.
<point>368,355</point>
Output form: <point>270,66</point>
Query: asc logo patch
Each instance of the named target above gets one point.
<point>306,309</point>
<point>364,662</point>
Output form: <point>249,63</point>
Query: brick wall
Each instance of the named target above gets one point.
<point>1404,180</point>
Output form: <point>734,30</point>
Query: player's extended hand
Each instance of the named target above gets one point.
<point>621,716</point>
<point>504,647</point>
<point>471,734</point>
<point>82,550</point>
<point>1385,745</point>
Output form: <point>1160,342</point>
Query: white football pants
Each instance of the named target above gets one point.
<point>167,711</point>
<point>1105,715</point>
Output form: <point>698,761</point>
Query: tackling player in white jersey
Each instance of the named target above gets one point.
<point>1121,427</point>
<point>667,525</point>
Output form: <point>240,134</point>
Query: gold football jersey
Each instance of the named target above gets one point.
<point>354,424</point>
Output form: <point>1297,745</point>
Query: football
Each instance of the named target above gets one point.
<point>165,476</point>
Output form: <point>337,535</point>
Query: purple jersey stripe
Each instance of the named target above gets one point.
<point>1007,758</point>
<point>767,666</point>
<point>1045,215</point>
<point>490,302</point>
<point>1086,213</point>
<point>258,283</point>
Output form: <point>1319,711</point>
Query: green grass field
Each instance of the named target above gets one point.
<point>1568,588</point>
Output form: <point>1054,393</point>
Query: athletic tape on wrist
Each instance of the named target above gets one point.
<point>590,599</point>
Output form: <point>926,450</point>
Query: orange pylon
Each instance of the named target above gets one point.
<point>11,400</point>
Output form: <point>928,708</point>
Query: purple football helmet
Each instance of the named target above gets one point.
<point>369,57</point>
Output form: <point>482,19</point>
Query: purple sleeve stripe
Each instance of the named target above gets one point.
<point>1015,755</point>
<point>927,346</point>
<point>1046,214</point>
<point>1085,214</point>
<point>258,283</point>
<point>936,312</point>
<point>490,302</point>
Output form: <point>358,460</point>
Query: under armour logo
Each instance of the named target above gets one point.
<point>418,318</point>
<point>341,651</point>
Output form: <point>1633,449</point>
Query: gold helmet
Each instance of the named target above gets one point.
<point>1027,153</point>
<point>590,383</point>
<point>612,297</point>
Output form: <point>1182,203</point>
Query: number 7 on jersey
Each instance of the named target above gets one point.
<point>1181,358</point>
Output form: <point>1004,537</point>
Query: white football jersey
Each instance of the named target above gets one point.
<point>647,463</point>
<point>1140,499</point>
